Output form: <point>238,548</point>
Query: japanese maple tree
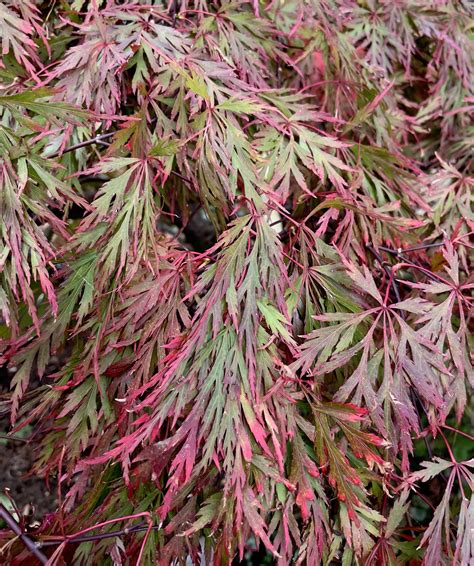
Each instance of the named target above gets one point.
<point>236,296</point>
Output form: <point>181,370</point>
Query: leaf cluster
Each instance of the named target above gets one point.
<point>269,383</point>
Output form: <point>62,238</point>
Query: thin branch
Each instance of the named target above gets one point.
<point>174,11</point>
<point>455,430</point>
<point>15,438</point>
<point>416,398</point>
<point>412,249</point>
<point>91,538</point>
<point>191,216</point>
<point>387,270</point>
<point>31,545</point>
<point>97,139</point>
<point>426,272</point>
<point>63,541</point>
<point>406,262</point>
<point>182,177</point>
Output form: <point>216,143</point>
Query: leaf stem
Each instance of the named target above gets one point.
<point>455,430</point>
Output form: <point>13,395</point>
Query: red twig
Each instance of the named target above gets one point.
<point>145,538</point>
<point>61,514</point>
<point>452,429</point>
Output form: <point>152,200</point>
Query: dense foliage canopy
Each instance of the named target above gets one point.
<point>235,277</point>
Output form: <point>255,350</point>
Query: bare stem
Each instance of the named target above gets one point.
<point>412,249</point>
<point>100,536</point>
<point>387,270</point>
<point>97,139</point>
<point>30,544</point>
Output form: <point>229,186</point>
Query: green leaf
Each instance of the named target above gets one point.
<point>275,320</point>
<point>397,514</point>
<point>197,84</point>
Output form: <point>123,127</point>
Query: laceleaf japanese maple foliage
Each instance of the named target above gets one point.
<point>292,383</point>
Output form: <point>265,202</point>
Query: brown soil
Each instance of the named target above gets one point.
<point>16,461</point>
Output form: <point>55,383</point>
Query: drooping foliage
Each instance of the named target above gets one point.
<point>276,383</point>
